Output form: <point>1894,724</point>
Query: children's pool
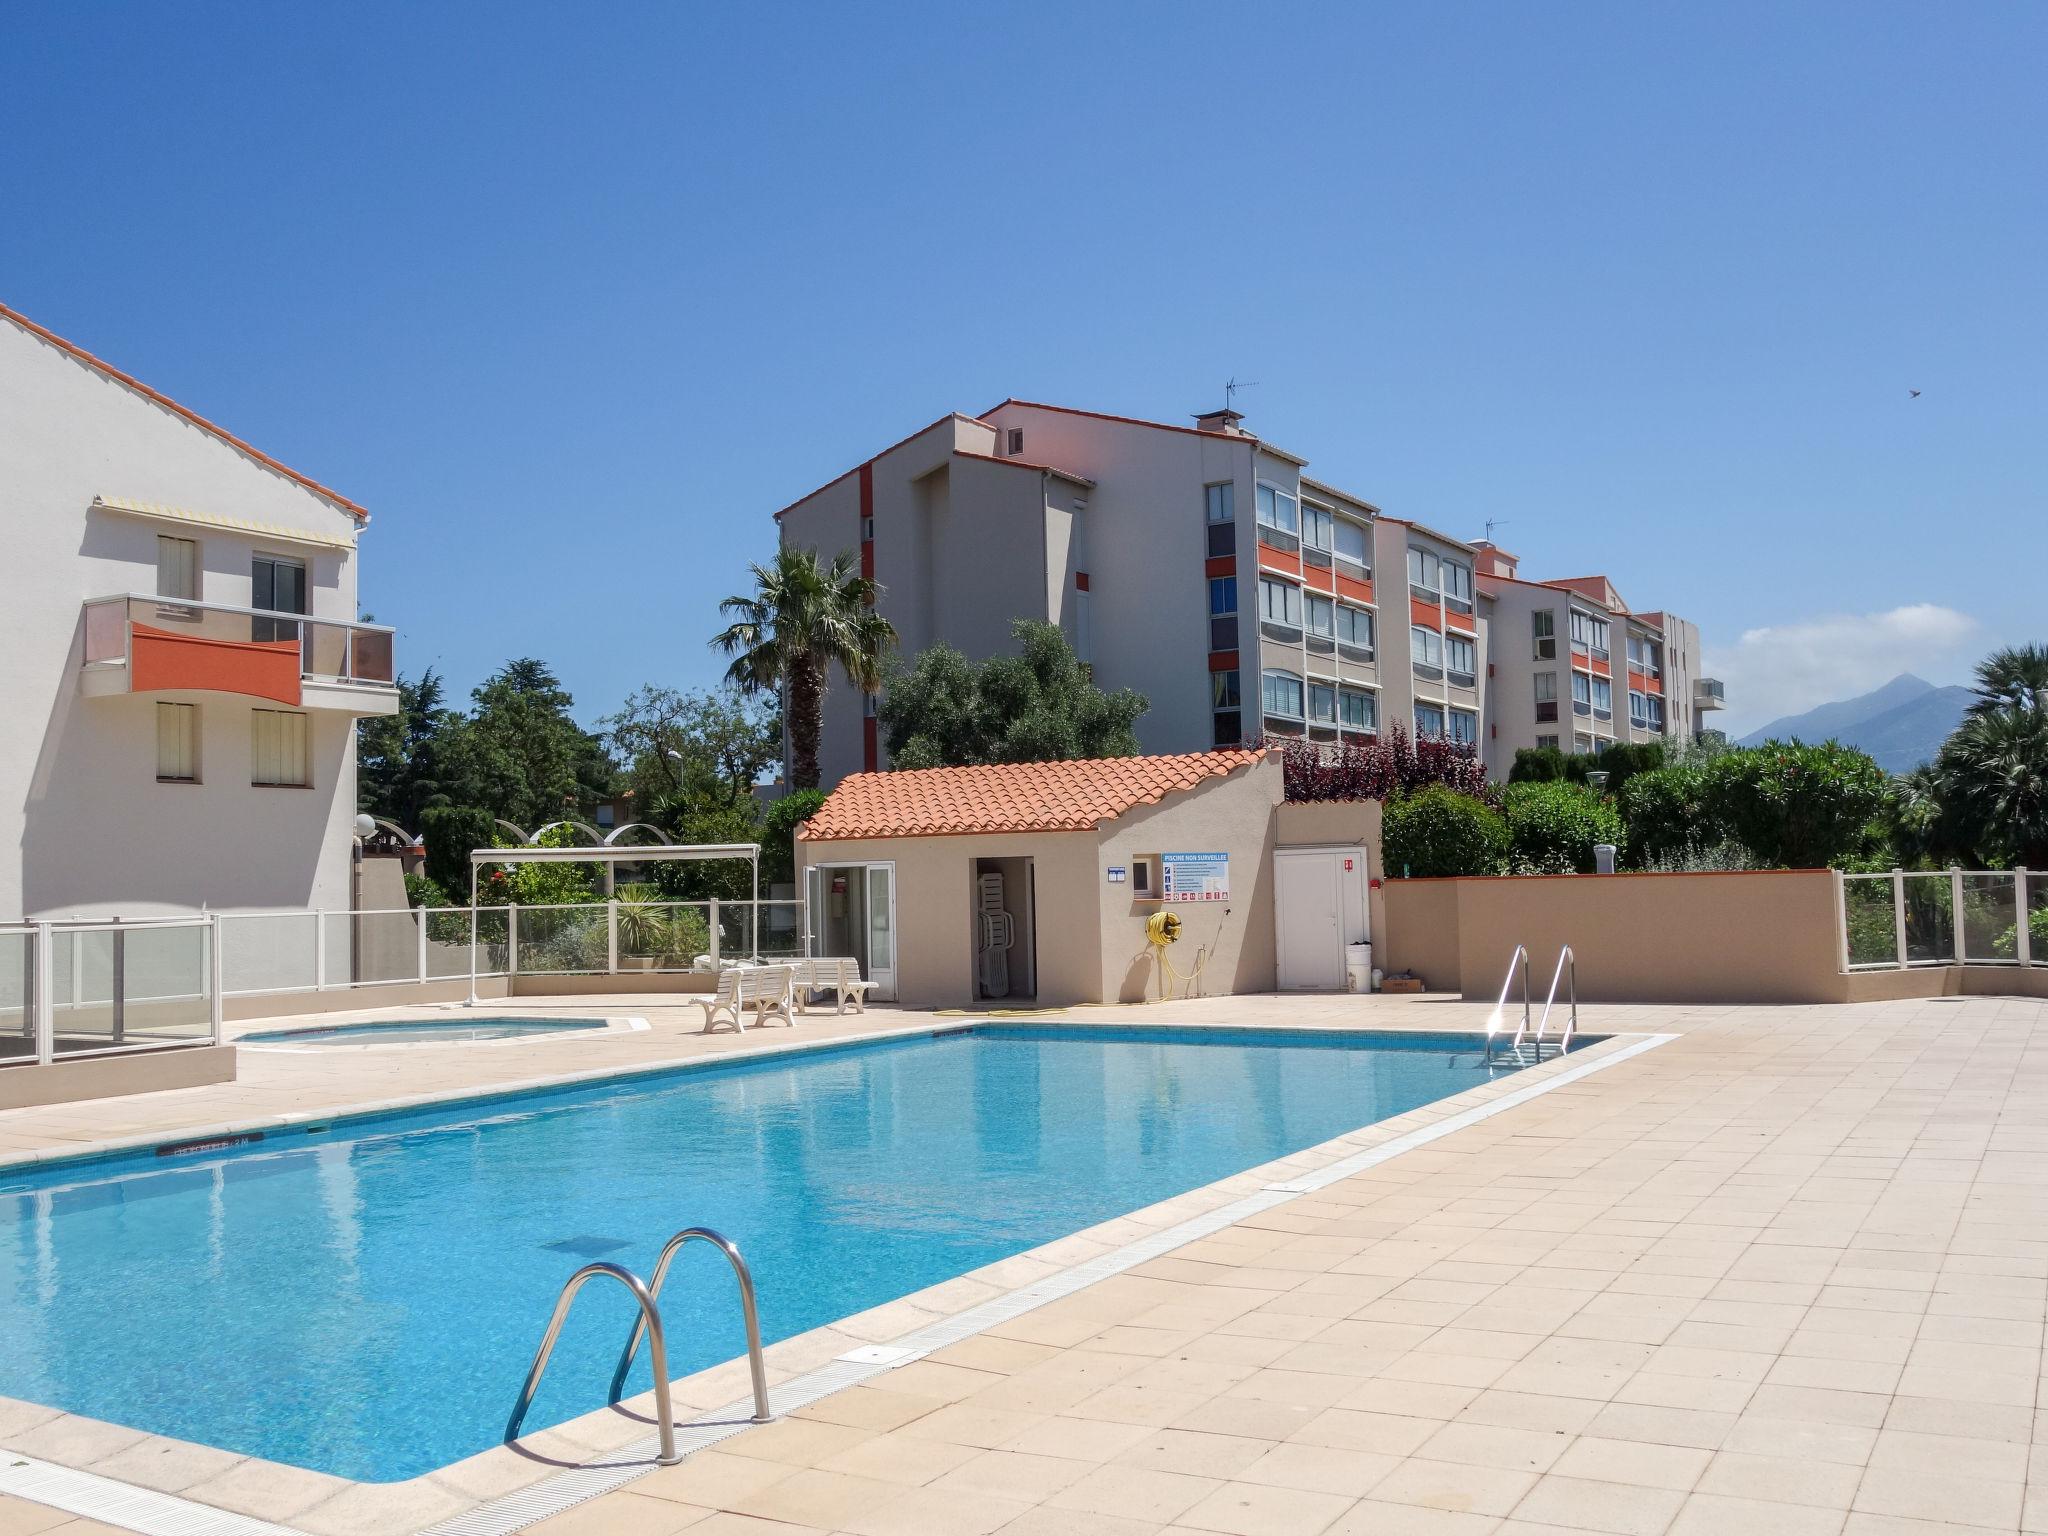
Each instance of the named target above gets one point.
<point>418,1031</point>
<point>363,1299</point>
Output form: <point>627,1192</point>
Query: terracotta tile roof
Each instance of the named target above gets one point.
<point>197,420</point>
<point>1009,797</point>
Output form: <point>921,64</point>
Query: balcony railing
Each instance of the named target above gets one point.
<point>1708,693</point>
<point>170,631</point>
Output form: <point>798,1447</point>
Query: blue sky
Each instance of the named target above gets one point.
<point>573,299</point>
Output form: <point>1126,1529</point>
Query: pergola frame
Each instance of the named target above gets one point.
<point>608,854</point>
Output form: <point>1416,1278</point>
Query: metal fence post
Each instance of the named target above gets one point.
<point>1841,922</point>
<point>1899,914</point>
<point>2023,936</point>
<point>319,951</point>
<point>1955,909</point>
<point>511,941</point>
<point>754,927</point>
<point>419,917</point>
<point>46,994</point>
<point>213,970</point>
<point>714,933</point>
<point>611,937</point>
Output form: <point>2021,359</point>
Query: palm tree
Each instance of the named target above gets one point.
<point>2014,677</point>
<point>1994,776</point>
<point>803,617</point>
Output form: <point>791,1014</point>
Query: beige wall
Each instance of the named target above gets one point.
<point>1341,824</point>
<point>1761,937</point>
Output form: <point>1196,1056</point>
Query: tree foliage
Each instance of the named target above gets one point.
<point>1437,831</point>
<point>694,748</point>
<point>804,617</point>
<point>1039,705</point>
<point>1553,826</point>
<point>1377,768</point>
<point>1790,804</point>
<point>1991,779</point>
<point>1620,761</point>
<point>451,831</point>
<point>778,834</point>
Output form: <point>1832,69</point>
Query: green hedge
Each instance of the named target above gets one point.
<point>1553,826</point>
<point>1438,831</point>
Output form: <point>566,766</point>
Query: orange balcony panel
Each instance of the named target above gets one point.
<point>1461,623</point>
<point>1642,682</point>
<point>262,669</point>
<point>1599,668</point>
<point>1220,565</point>
<point>1319,578</point>
<point>1223,661</point>
<point>1357,591</point>
<point>1279,559</point>
<point>1428,615</point>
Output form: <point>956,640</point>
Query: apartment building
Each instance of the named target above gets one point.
<point>1573,667</point>
<point>1201,565</point>
<point>184,668</point>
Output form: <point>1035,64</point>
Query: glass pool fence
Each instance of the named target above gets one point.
<point>1908,918</point>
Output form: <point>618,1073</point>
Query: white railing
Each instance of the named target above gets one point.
<point>79,988</point>
<point>324,951</point>
<point>1909,918</point>
<point>334,650</point>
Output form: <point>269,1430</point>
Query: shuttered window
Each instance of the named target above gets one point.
<point>277,741</point>
<point>177,743</point>
<point>177,568</point>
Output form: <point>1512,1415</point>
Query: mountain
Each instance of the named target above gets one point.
<point>1901,725</point>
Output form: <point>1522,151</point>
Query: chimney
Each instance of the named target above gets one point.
<point>1491,560</point>
<point>1225,420</point>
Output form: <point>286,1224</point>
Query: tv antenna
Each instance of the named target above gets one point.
<point>1230,388</point>
<point>1493,523</point>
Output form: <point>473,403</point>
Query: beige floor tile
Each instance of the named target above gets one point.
<point>1800,1440</point>
<point>1951,1495</point>
<point>19,1517</point>
<point>1250,1509</point>
<point>1781,1480</point>
<point>1582,1504</point>
<point>1375,1517</point>
<point>1707,1514</point>
<point>1195,1452</point>
<point>1490,1445</point>
<point>900,1459</point>
<point>1135,1493</point>
<point>1459,1489</point>
<point>930,1512</point>
<point>826,1500</point>
<point>624,1513</point>
<point>1319,1469</point>
<point>1633,1462</point>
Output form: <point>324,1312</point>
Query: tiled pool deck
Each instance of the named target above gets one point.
<point>1785,1274</point>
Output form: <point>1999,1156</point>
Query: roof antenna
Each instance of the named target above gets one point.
<point>1493,523</point>
<point>1230,388</point>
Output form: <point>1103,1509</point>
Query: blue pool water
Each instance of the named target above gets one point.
<point>364,1299</point>
<point>417,1031</point>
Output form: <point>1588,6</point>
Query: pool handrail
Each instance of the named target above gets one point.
<point>1493,1021</point>
<point>657,1349</point>
<point>1568,968</point>
<point>725,1245</point>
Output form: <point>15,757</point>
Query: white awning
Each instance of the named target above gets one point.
<point>190,518</point>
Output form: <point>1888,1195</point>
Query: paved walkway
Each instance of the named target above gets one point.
<point>1787,1274</point>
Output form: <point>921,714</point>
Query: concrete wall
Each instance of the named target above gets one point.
<point>1758,937</point>
<point>85,827</point>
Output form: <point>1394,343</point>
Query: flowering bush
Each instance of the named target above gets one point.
<point>1379,768</point>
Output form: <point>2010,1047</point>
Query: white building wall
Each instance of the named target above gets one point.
<point>84,825</point>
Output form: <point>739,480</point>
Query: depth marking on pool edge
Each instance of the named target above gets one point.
<point>162,1514</point>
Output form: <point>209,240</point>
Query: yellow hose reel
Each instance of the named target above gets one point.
<point>1162,929</point>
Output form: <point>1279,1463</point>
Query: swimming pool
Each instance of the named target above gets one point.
<point>363,1299</point>
<point>418,1031</point>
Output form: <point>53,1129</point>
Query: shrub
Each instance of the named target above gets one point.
<point>420,891</point>
<point>778,834</point>
<point>451,831</point>
<point>1437,831</point>
<point>1665,814</point>
<point>1552,826</point>
<point>1796,806</point>
<point>1725,857</point>
<point>2007,945</point>
<point>1378,767</point>
<point>1538,765</point>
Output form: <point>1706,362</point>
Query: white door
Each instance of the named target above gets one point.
<point>852,911</point>
<point>1319,907</point>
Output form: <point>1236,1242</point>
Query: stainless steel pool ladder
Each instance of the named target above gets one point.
<point>740,1273</point>
<point>648,1324</point>
<point>1567,971</point>
<point>1567,967</point>
<point>657,1348</point>
<point>1493,1023</point>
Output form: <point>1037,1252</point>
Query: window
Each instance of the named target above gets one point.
<point>1655,709</point>
<point>177,738</point>
<point>1643,656</point>
<point>1464,727</point>
<point>177,568</point>
<point>1638,708</point>
<point>1278,515</point>
<point>1222,595</point>
<point>1581,742</point>
<point>1461,660</point>
<point>1589,633</point>
<point>1229,728</point>
<point>1458,586</point>
<point>1223,689</point>
<point>1322,704</point>
<point>1429,720</point>
<point>1280,608</point>
<point>1354,632</point>
<point>277,743</point>
<point>1422,574</point>
<point>1426,648</point>
<point>1015,438</point>
<point>1283,695</point>
<point>1222,505</point>
<point>1603,699</point>
<point>1322,622</point>
<point>1223,698</point>
<point>1141,877</point>
<point>1546,741</point>
<point>1582,694</point>
<point>1600,638</point>
<point>1351,547</point>
<point>1546,697</point>
<point>1358,710</point>
<point>280,586</point>
<point>1544,621</point>
<point>1316,532</point>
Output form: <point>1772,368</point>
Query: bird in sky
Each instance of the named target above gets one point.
<point>1914,393</point>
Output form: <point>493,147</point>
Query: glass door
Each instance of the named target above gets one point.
<point>278,585</point>
<point>852,911</point>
